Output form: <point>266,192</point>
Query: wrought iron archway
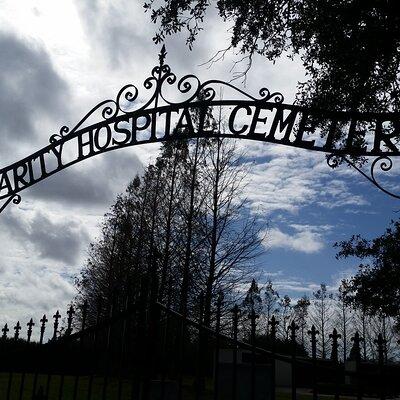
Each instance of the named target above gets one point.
<point>131,120</point>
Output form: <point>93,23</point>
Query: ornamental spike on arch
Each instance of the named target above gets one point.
<point>164,111</point>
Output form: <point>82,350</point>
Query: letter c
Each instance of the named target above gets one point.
<point>232,120</point>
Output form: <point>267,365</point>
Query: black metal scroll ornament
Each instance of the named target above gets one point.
<point>16,199</point>
<point>385,163</point>
<point>132,119</point>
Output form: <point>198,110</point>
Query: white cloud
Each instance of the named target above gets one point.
<point>306,239</point>
<point>286,180</point>
<point>47,236</point>
<point>90,50</point>
<point>29,290</point>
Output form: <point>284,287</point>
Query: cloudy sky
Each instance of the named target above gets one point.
<point>60,58</point>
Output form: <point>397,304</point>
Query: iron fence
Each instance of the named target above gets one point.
<point>150,351</point>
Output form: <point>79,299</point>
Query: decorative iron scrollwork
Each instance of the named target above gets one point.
<point>16,199</point>
<point>132,118</point>
<point>384,163</point>
<point>161,77</point>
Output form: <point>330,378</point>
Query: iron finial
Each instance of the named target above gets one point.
<point>70,313</point>
<point>30,325</point>
<point>162,55</point>
<point>56,317</point>
<point>17,328</point>
<point>5,330</point>
<point>43,327</point>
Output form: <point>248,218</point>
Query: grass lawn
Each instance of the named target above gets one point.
<point>68,387</point>
<point>112,388</point>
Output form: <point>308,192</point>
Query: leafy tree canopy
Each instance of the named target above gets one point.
<point>376,286</point>
<point>349,48</point>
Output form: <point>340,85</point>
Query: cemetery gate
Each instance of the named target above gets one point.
<point>138,348</point>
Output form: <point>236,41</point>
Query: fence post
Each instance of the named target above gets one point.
<point>106,361</point>
<point>313,333</point>
<point>35,378</point>
<point>293,328</point>
<point>4,337</point>
<point>217,344</point>
<point>30,325</point>
<point>94,342</point>
<point>166,356</point>
<point>48,380</point>
<point>334,358</point>
<point>381,363</point>
<point>199,382</point>
<point>356,339</point>
<point>273,324</point>
<point>17,328</point>
<point>56,317</point>
<point>42,328</point>
<point>70,313</point>
<point>85,307</point>
<point>151,330</point>
<point>235,323</point>
<point>253,318</point>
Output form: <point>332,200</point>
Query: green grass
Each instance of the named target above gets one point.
<point>68,387</point>
<point>112,388</point>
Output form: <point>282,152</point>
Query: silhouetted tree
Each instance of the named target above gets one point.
<point>271,298</point>
<point>253,300</point>
<point>232,238</point>
<point>178,230</point>
<point>344,316</point>
<point>375,287</point>
<point>349,48</point>
<point>321,314</point>
<point>285,313</point>
<point>300,310</point>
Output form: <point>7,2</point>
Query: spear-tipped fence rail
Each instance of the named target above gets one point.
<point>153,352</point>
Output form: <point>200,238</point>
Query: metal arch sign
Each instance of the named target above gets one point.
<point>129,121</point>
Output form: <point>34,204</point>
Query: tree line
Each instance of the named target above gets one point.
<point>183,229</point>
<point>326,309</point>
<point>180,229</point>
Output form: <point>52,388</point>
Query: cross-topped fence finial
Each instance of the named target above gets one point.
<point>313,333</point>
<point>5,330</point>
<point>273,323</point>
<point>42,327</point>
<point>17,328</point>
<point>70,313</point>
<point>30,325</point>
<point>356,350</point>
<point>56,317</point>
<point>334,336</point>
